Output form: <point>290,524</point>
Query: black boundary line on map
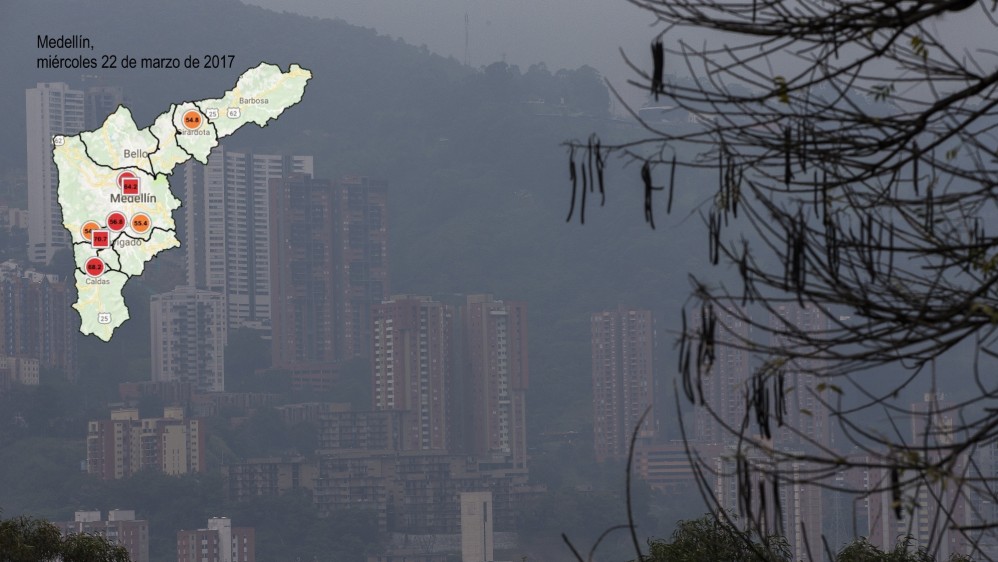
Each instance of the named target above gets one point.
<point>105,272</point>
<point>86,147</point>
<point>111,248</point>
<point>213,127</point>
<point>86,150</point>
<point>178,133</point>
<point>122,232</point>
<point>107,266</point>
<point>159,141</point>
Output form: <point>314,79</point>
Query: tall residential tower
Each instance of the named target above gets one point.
<point>623,349</point>
<point>412,367</point>
<point>51,108</point>
<point>188,334</point>
<point>226,228</point>
<point>302,271</point>
<point>496,376</point>
<point>361,259</point>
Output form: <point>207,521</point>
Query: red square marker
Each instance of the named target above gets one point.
<point>100,239</point>
<point>129,183</point>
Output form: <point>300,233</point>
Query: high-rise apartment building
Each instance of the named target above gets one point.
<point>623,350</point>
<point>36,318</point>
<point>121,528</point>
<point>220,542</point>
<point>794,506</point>
<point>125,444</point>
<point>188,332</point>
<point>329,242</point>
<point>226,228</point>
<point>51,108</point>
<point>933,500</point>
<point>302,271</point>
<point>978,510</point>
<point>361,259</point>
<point>723,386</point>
<point>100,101</point>
<point>412,368</point>
<point>495,379</point>
<point>725,391</point>
<point>806,422</point>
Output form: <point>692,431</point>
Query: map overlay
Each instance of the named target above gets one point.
<point>114,191</point>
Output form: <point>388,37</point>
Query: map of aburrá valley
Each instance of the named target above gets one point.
<point>113,189</point>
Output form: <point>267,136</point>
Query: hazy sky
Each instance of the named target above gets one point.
<point>561,33</point>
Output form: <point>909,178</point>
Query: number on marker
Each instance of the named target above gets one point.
<point>141,222</point>
<point>100,239</point>
<point>116,221</point>
<point>129,183</point>
<point>88,228</point>
<point>192,119</point>
<point>95,267</point>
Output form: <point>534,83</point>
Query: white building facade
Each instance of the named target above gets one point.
<point>188,332</point>
<point>51,108</point>
<point>227,231</point>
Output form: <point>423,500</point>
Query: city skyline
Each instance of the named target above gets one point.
<point>382,323</point>
<point>226,228</point>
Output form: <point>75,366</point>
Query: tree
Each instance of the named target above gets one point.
<point>713,538</point>
<point>26,539</point>
<point>858,181</point>
<point>860,550</point>
<point>709,538</point>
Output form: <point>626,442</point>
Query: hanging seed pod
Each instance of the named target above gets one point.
<point>760,404</point>
<point>713,237</point>
<point>802,143</point>
<point>684,360</point>
<point>787,172</point>
<point>572,177</point>
<point>658,68</point>
<point>896,491</point>
<point>594,143</point>
<point>646,180</point>
<point>762,507</point>
<point>777,504</point>
<point>930,208</point>
<point>815,192</point>
<point>672,184</point>
<point>744,486</point>
<point>832,249</point>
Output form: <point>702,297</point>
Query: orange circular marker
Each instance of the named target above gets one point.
<point>88,229</point>
<point>193,119</point>
<point>141,222</point>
